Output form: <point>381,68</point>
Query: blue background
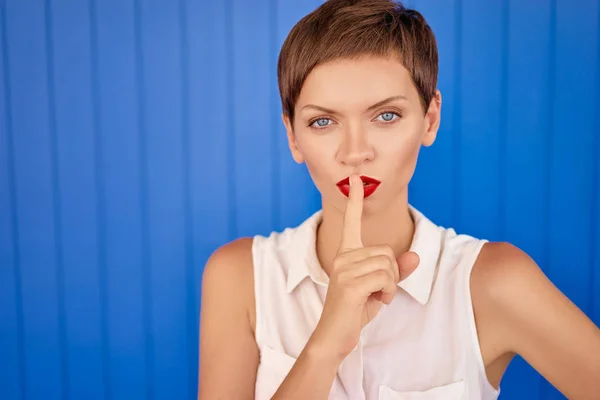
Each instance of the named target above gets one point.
<point>137,136</point>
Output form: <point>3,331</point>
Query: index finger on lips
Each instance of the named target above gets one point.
<point>351,230</point>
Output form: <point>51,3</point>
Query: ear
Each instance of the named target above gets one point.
<point>432,119</point>
<point>296,154</point>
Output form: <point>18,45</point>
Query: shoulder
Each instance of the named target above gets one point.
<point>502,266</point>
<point>506,276</point>
<point>505,279</point>
<point>511,295</point>
<point>230,260</point>
<point>229,270</point>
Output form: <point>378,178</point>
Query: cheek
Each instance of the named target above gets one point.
<point>399,148</point>
<point>317,157</point>
<point>400,157</point>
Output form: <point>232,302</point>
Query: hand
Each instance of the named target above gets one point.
<point>362,279</point>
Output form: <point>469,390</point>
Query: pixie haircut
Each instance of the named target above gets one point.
<point>349,29</point>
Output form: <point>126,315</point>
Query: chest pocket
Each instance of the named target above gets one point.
<point>452,391</point>
<point>274,366</point>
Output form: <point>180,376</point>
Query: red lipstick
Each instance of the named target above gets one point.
<point>369,185</point>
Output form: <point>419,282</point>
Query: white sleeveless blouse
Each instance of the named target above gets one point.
<point>423,346</point>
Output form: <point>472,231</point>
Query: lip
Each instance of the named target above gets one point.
<point>370,185</point>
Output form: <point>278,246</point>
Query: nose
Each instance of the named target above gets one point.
<point>355,148</point>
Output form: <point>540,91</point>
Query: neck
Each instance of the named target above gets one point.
<point>392,225</point>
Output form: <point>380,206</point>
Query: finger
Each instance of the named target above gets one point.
<point>382,297</point>
<point>386,298</point>
<point>351,230</point>
<point>376,281</point>
<point>407,263</point>
<point>353,257</point>
<point>373,263</point>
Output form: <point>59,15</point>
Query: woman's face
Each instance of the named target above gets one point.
<point>361,116</point>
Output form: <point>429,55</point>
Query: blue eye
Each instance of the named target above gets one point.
<point>321,122</point>
<point>387,116</point>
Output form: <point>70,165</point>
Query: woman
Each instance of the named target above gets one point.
<point>368,299</point>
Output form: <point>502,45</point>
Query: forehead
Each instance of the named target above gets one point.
<point>361,81</point>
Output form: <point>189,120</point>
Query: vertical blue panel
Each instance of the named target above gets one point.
<point>26,60</point>
<point>297,196</point>
<point>480,128</point>
<point>120,198</point>
<point>56,198</point>
<point>210,123</point>
<point>432,189</point>
<point>160,71</point>
<point>144,181</point>
<point>528,126</point>
<point>253,126</point>
<point>191,280</point>
<point>12,370</point>
<point>595,245</point>
<point>71,66</point>
<point>274,114</point>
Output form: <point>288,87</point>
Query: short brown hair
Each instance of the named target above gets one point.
<point>352,28</point>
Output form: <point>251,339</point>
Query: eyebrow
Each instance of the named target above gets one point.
<point>374,106</point>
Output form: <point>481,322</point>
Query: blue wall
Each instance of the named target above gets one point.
<point>137,136</point>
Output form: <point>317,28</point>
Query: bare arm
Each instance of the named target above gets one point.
<point>228,351</point>
<point>534,319</point>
